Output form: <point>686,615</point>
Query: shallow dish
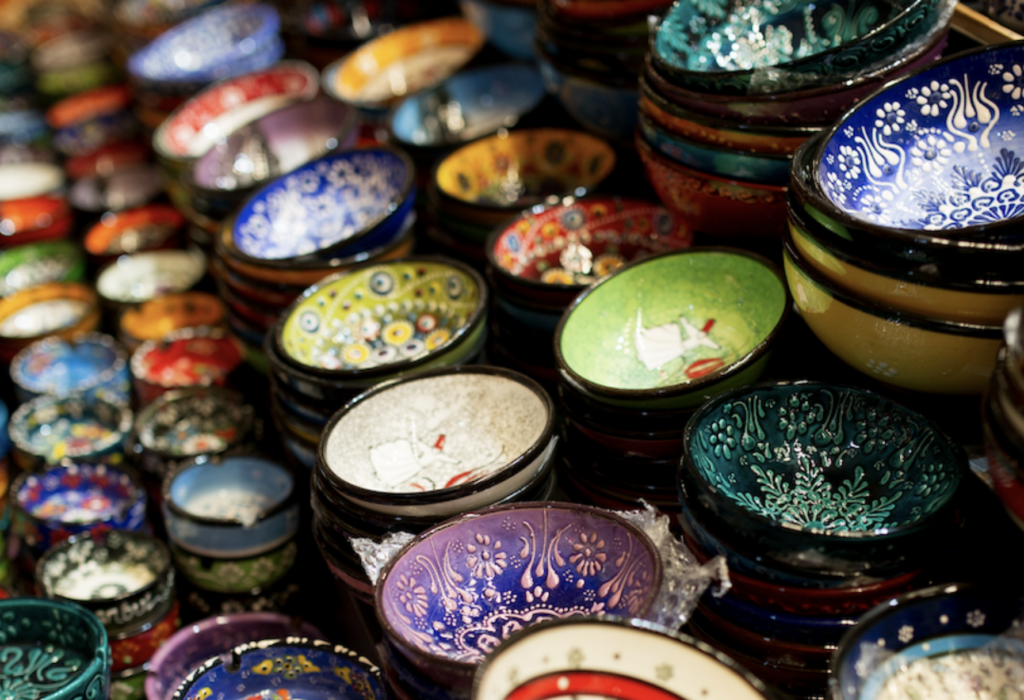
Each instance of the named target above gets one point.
<point>88,364</point>
<point>63,309</point>
<point>48,429</point>
<point>623,339</point>
<point>455,591</point>
<point>34,264</point>
<point>189,357</point>
<point>141,277</point>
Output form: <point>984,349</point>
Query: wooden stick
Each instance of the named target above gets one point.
<point>980,28</point>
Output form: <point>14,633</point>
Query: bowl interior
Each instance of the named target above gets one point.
<point>436,433</point>
<point>78,650</point>
<point>143,276</point>
<point>671,320</point>
<point>459,589</point>
<point>198,421</point>
<point>322,204</point>
<point>937,150</point>
<point>55,429</point>
<point>380,315</point>
<point>58,366</point>
<point>522,168</point>
<point>90,570</point>
<point>188,358</point>
<point>43,317</point>
<point>827,459</point>
<point>76,494</point>
<point>236,489</point>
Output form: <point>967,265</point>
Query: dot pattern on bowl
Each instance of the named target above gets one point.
<point>939,150</point>
<point>203,423</point>
<point>825,459</point>
<point>380,315</point>
<point>57,428</point>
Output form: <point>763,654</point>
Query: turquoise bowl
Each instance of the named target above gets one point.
<point>53,650</point>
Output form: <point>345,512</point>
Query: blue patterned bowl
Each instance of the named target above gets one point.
<point>338,205</point>
<point>88,364</point>
<point>938,150</point>
<point>452,594</point>
<point>48,429</point>
<point>53,650</point>
<point>821,479</point>
<point>918,642</point>
<point>205,47</point>
<point>279,669</point>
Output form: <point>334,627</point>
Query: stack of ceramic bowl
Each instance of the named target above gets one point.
<point>825,500</point>
<point>540,261</point>
<point>190,357</point>
<point>724,103</point>
<point>156,319</point>
<point>231,521</point>
<point>525,562</point>
<point>127,580</point>
<point>591,54</point>
<point>90,365</point>
<point>638,351</point>
<point>905,228</point>
<point>413,452</point>
<point>222,42</point>
<point>63,309</point>
<point>1003,420</point>
<point>124,184</point>
<point>358,328</point>
<point>483,184</point>
<point>33,203</point>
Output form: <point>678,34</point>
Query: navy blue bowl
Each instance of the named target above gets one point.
<point>801,629</point>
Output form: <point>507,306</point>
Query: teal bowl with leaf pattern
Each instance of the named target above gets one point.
<point>821,479</point>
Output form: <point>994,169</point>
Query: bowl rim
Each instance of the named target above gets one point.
<point>104,376</point>
<point>216,333</point>
<point>148,412</point>
<point>445,664</point>
<point>100,661</point>
<point>412,498</point>
<point>111,226</point>
<point>138,492</point>
<point>475,318</point>
<point>19,435</point>
<point>648,152</point>
<point>714,149</point>
<point>687,466</point>
<point>692,386</point>
<point>192,256</point>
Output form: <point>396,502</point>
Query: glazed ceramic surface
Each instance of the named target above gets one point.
<point>669,321</point>
<point>382,314</point>
<point>509,27</point>
<point>189,357</point>
<point>129,651</point>
<point>456,591</point>
<point>85,365</point>
<point>236,575</point>
<point>522,168</point>
<point>467,106</point>
<point>325,203</point>
<point>143,276</point>
<point>935,151</point>
<point>607,658</point>
<point>603,108</point>
<point>52,428</point>
<point>159,317</point>
<point>38,263</point>
<point>129,186</point>
<point>44,317</point>
<point>194,421</point>
<point>21,180</point>
<point>136,230</point>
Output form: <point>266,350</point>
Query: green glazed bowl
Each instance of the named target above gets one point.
<point>52,649</point>
<point>382,318</point>
<point>235,575</point>
<point>674,329</point>
<point>38,263</point>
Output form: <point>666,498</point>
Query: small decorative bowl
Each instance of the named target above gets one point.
<point>40,263</point>
<point>899,348</point>
<point>509,27</point>
<point>293,666</point>
<point>781,470</point>
<point>30,214</point>
<point>123,577</point>
<point>135,647</point>
<point>90,364</point>
<point>68,500</point>
<point>210,637</point>
<point>63,309</point>
<point>185,358</point>
<point>601,106</point>
<point>439,443</point>
<point>143,276</point>
<point>443,598</point>
<point>922,639</point>
<point>623,340</point>
<point>128,186</point>
<point>339,205</point>
<point>25,180</point>
<point>230,506</point>
<point>49,429</point>
<point>550,254</point>
<point>159,317</point>
<point>152,227</point>
<point>77,661</point>
<point>236,575</point>
<point>608,657</point>
<point>383,71</point>
<point>467,106</point>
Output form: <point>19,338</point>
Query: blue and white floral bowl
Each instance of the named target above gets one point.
<point>341,204</point>
<point>940,149</point>
<point>87,365</point>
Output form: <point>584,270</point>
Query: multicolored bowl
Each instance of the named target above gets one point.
<point>188,357</point>
<point>49,429</point>
<point>35,264</point>
<point>138,278</point>
<point>88,364</point>
<point>63,309</point>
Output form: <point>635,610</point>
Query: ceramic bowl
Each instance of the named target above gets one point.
<point>49,429</point>
<point>467,106</point>
<point>383,319</point>
<point>899,348</point>
<point>851,521</point>
<point>40,263</point>
<point>623,339</point>
<point>188,357</point>
<point>63,309</point>
<point>894,648</point>
<point>122,577</point>
<point>509,27</point>
<point>159,317</point>
<point>930,176</point>
<point>143,276</point>
<point>294,666</point>
<point>236,575</point>
<point>339,205</point>
<point>88,364</point>
<point>24,180</point>
<point>383,71</point>
<point>444,600</point>
<point>68,500</point>
<point>600,106</point>
<point>714,205</point>
<point>439,443</point>
<point>77,660</point>
<point>152,227</point>
<point>735,50</point>
<point>611,657</point>
<point>230,506</point>
<point>507,172</point>
<point>550,254</point>
<point>212,636</point>
<point>26,216</point>
<point>126,187</point>
<point>90,120</point>
<point>205,47</point>
<point>132,649</point>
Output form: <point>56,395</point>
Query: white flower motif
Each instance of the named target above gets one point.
<point>849,162</point>
<point>912,93</point>
<point>890,118</point>
<point>872,203</point>
<point>930,153</point>
<point>1016,110</point>
<point>911,126</point>
<point>976,618</point>
<point>848,131</point>
<point>1007,135</point>
<point>1012,79</point>
<point>934,97</point>
<point>906,633</point>
<point>995,69</point>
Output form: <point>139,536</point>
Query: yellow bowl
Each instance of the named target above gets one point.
<point>984,302</point>
<point>906,350</point>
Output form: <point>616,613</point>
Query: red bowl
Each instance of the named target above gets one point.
<point>133,651</point>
